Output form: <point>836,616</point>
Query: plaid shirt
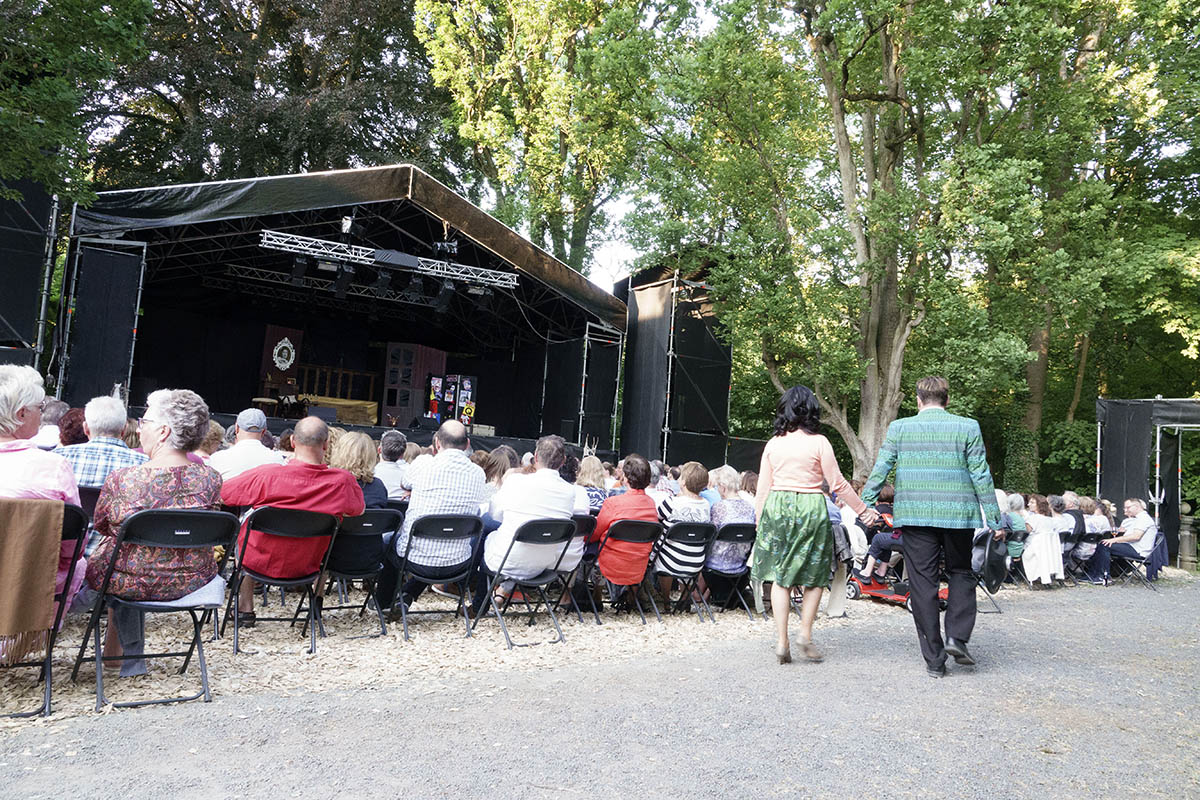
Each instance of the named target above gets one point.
<point>92,461</point>
<point>447,483</point>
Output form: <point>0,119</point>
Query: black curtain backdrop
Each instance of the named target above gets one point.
<point>745,454</point>
<point>646,370</point>
<point>684,446</point>
<point>700,380</point>
<point>102,325</point>
<point>603,362</point>
<point>23,230</point>
<point>1125,441</point>
<point>1168,473</point>
<point>564,377</point>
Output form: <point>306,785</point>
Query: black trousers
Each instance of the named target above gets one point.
<point>923,551</point>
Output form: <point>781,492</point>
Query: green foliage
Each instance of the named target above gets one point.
<point>55,56</point>
<point>1020,461</point>
<point>1070,452</point>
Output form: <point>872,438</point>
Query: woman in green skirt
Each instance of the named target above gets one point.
<point>794,546</point>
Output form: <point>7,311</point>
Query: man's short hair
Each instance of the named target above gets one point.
<point>550,451</point>
<point>310,432</point>
<point>391,445</point>
<point>452,435</point>
<point>933,390</point>
<point>54,411</point>
<point>105,416</point>
<point>637,471</point>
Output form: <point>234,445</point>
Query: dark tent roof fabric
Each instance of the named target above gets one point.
<point>127,210</point>
<point>1162,412</point>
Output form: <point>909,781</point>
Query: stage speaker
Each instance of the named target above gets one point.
<point>103,322</point>
<point>24,228</point>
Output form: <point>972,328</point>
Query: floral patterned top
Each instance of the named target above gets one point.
<point>153,573</point>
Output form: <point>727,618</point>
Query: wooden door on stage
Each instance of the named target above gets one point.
<point>406,370</point>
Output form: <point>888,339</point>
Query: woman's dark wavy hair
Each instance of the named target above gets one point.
<point>797,409</point>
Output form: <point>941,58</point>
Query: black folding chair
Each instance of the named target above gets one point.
<point>1137,566</point>
<point>440,528</point>
<point>398,505</point>
<point>633,531</point>
<point>547,533</point>
<point>1016,565</point>
<point>287,523</point>
<point>739,533</point>
<point>696,536</point>
<point>74,526</point>
<point>357,555</point>
<point>1067,541</point>
<point>585,525</point>
<point>191,529</point>
<point>994,567</point>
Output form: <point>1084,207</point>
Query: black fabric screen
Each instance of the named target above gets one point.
<point>1125,452</point>
<point>700,379</point>
<point>646,370</point>
<point>23,229</point>
<point>564,377</point>
<point>103,322</point>
<point>683,446</point>
<point>1168,510</point>
<point>600,393</point>
<point>746,454</point>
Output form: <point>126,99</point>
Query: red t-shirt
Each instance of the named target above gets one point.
<point>298,485</point>
<point>624,563</point>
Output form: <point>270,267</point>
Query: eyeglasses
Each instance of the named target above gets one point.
<point>149,420</point>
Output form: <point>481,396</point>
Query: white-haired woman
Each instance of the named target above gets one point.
<point>592,478</point>
<point>27,472</point>
<point>175,422</point>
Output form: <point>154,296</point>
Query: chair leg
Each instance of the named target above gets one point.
<point>553,617</point>
<point>47,676</point>
<point>100,699</point>
<point>203,663</point>
<point>93,621</point>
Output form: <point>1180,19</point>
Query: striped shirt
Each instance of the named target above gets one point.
<point>679,558</point>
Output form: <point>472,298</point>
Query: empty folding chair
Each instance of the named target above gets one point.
<point>165,528</point>
<point>681,553</point>
<point>357,555</point>
<point>22,643</point>
<point>1015,564</point>
<point>634,539</point>
<point>288,523</point>
<point>989,564</point>
<point>554,534</point>
<point>440,528</point>
<point>733,537</point>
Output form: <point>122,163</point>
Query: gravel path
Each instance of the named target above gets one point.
<point>1079,692</point>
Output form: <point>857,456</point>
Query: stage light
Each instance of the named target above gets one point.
<point>327,266</point>
<point>342,282</point>
<point>299,267</point>
<point>347,224</point>
<point>382,280</point>
<point>449,247</point>
<point>441,303</point>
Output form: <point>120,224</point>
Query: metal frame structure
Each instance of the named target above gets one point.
<point>604,335</point>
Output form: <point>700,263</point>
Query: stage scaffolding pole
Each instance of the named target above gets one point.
<point>579,437</point>
<point>47,282</point>
<point>1157,472</point>
<point>1099,426</point>
<point>666,431</point>
<point>69,306</point>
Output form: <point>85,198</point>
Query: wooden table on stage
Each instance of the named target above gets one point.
<point>353,412</point>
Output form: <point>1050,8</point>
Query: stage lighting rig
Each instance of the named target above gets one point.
<point>446,248</point>
<point>299,268</point>
<point>383,279</point>
<point>441,303</point>
<point>342,282</point>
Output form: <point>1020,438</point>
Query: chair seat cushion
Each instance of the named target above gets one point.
<point>210,595</point>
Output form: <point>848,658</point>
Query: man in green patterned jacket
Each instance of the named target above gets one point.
<point>943,492</point>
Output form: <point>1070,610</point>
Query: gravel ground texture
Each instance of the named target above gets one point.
<point>1086,691</point>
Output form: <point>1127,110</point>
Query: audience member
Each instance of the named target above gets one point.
<point>730,509</point>
<point>624,563</point>
<point>749,489</point>
<point>569,472</point>
<point>356,453</point>
<point>213,440</point>
<point>175,422</point>
<point>884,538</point>
<point>104,451</point>
<point>46,436</point>
<point>711,493</point>
<point>445,483</point>
<point>411,451</point>
<point>610,474</point>
<point>335,433</point>
<point>1134,539</point>
<point>392,466</point>
<point>1042,558</point>
<point>70,428</point>
<point>494,470</point>
<point>1015,505</point>
<point>593,479</point>
<point>1092,523</point>
<point>284,445</point>
<point>248,450</point>
<point>306,483</point>
<point>130,435</point>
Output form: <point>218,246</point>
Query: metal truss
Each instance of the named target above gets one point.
<point>280,279</point>
<point>354,254</point>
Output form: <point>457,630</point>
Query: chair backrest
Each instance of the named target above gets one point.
<point>1018,536</point>
<point>398,505</point>
<point>545,531</point>
<point>635,531</point>
<point>372,522</point>
<point>585,525</point>
<point>736,532</point>
<point>179,528</point>
<point>291,522</point>
<point>697,533</point>
<point>87,500</point>
<point>446,526</point>
<point>358,547</point>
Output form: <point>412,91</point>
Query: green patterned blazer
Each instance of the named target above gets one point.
<point>942,475</point>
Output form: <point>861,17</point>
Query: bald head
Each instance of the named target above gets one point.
<point>452,435</point>
<point>311,431</point>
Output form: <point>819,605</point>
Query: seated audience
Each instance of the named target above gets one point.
<point>623,563</point>
<point>594,481</point>
<point>46,437</point>
<point>1134,539</point>
<point>104,451</point>
<point>70,428</point>
<point>749,486</point>
<point>711,493</point>
<point>130,435</point>
<point>391,466</point>
<point>173,425</point>
<point>248,450</point>
<point>1015,517</point>
<point>27,472</point>
<point>1092,523</point>
<point>284,445</point>
<point>884,538</point>
<point>678,558</point>
<point>213,440</point>
<point>494,470</point>
<point>610,474</point>
<point>445,483</point>
<point>305,483</point>
<point>411,451</point>
<point>1042,558</point>
<point>730,509</point>
<point>569,472</point>
<point>356,453</point>
<point>542,494</point>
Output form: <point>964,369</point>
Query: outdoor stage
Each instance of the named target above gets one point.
<point>376,278</point>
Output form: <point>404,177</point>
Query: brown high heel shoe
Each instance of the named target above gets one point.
<point>810,651</point>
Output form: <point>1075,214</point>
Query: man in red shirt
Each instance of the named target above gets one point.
<point>305,483</point>
<point>624,563</point>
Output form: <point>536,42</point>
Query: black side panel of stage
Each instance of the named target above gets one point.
<point>23,230</point>
<point>1168,512</point>
<point>602,367</point>
<point>647,335</point>
<point>564,377</point>
<point>700,379</point>
<point>102,325</point>
<point>745,454</point>
<point>1125,443</point>
<point>684,446</point>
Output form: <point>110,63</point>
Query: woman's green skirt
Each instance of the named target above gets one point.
<point>794,546</point>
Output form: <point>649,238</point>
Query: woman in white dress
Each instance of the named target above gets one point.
<point>1042,558</point>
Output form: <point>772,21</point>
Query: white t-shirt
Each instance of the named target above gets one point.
<point>1142,522</point>
<point>392,475</point>
<point>524,497</point>
<point>244,455</point>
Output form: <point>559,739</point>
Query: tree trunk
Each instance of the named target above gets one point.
<point>1035,374</point>
<point>1079,372</point>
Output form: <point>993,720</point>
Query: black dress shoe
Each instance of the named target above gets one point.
<point>958,649</point>
<point>936,672</point>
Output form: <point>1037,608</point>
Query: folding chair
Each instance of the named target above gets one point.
<point>994,568</point>
<point>1137,565</point>
<point>398,505</point>
<point>632,531</point>
<point>741,533</point>
<point>357,554</point>
<point>693,535</point>
<point>1015,564</point>
<point>175,529</point>
<point>540,532</point>
<point>288,523</point>
<point>1067,541</point>
<point>585,524</point>
<point>443,528</point>
<point>74,526</point>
